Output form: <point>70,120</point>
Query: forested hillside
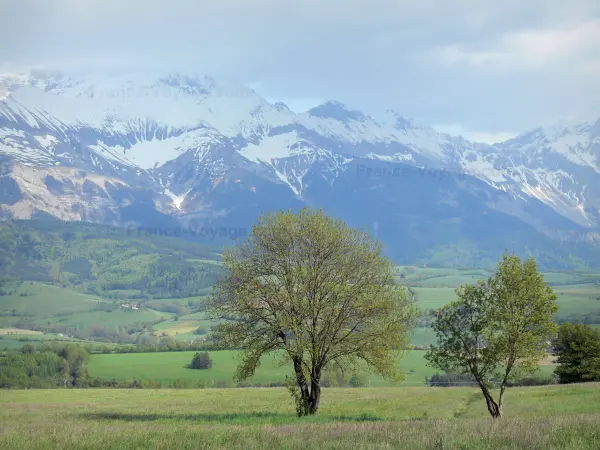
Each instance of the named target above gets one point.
<point>104,261</point>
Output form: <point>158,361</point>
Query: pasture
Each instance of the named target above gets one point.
<point>560,417</point>
<point>170,367</point>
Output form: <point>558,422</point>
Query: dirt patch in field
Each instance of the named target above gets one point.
<point>4,331</point>
<point>179,329</point>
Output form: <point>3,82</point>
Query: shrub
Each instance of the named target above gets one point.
<point>577,347</point>
<point>201,360</point>
<point>534,381</point>
<point>357,381</point>
<point>28,349</point>
<point>450,379</point>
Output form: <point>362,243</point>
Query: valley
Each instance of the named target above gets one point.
<point>96,289</point>
<point>299,225</point>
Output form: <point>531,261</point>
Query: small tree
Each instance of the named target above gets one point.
<point>316,294</point>
<point>497,328</point>
<point>578,351</point>
<point>357,380</point>
<point>201,360</point>
<point>28,349</point>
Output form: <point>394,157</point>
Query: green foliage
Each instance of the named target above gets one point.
<point>105,261</point>
<point>316,293</point>
<point>55,365</point>
<point>450,380</point>
<point>578,349</point>
<point>496,329</point>
<point>28,349</point>
<point>201,360</point>
<point>291,384</point>
<point>357,380</point>
<point>463,379</point>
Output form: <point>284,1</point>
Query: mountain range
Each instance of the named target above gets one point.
<point>191,155</point>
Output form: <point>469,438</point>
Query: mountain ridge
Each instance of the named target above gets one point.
<point>194,148</point>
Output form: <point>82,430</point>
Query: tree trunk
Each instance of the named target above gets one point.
<point>501,399</point>
<point>309,396</point>
<point>495,409</point>
<point>302,397</point>
<point>315,397</point>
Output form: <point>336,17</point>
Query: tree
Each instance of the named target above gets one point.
<point>76,358</point>
<point>578,350</point>
<point>315,293</point>
<point>497,328</point>
<point>201,360</point>
<point>28,349</point>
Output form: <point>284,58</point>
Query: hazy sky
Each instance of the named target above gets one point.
<point>481,67</point>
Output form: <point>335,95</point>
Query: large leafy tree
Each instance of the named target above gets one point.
<point>497,328</point>
<point>578,350</point>
<point>316,294</point>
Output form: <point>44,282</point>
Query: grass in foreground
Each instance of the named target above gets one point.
<point>538,418</point>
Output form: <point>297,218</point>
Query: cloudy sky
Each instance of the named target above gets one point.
<point>484,68</point>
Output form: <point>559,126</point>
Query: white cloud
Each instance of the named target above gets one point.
<point>534,49</point>
<point>490,66</point>
<point>477,136</point>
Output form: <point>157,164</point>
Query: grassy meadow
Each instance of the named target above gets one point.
<point>548,417</point>
<point>170,367</point>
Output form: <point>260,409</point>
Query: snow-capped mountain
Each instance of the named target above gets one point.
<point>173,148</point>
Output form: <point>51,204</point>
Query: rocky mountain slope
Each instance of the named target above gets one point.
<point>175,150</point>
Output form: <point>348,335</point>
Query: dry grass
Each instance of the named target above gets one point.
<point>180,328</point>
<point>4,331</point>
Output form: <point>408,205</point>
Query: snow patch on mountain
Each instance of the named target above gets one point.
<point>481,167</point>
<point>269,148</point>
<point>177,128</point>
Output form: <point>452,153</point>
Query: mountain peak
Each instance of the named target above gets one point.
<point>336,110</point>
<point>280,106</point>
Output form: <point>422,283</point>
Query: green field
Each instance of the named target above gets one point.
<point>43,300</point>
<point>168,367</point>
<point>422,336</point>
<point>31,304</point>
<point>433,298</point>
<point>578,299</point>
<point>15,341</point>
<point>549,417</point>
<point>448,277</point>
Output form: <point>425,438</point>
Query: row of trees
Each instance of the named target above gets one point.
<point>53,365</point>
